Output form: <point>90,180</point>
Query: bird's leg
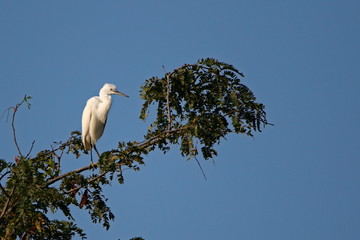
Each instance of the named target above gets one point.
<point>91,157</point>
<point>96,151</point>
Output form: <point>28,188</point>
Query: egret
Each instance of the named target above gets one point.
<point>95,115</point>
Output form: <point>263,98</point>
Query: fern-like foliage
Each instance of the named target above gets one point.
<point>206,101</point>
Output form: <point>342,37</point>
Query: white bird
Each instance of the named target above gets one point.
<point>95,115</point>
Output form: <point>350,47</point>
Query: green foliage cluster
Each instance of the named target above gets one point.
<point>196,106</point>
<point>202,102</point>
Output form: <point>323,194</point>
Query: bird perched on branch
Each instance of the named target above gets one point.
<point>95,115</point>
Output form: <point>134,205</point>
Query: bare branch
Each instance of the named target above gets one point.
<point>58,157</point>
<point>53,180</point>
<point>32,145</point>
<point>200,167</point>
<point>3,190</point>
<point>5,174</point>
<point>66,144</point>
<point>25,99</point>
<point>13,127</point>
<point>7,203</point>
<point>6,111</point>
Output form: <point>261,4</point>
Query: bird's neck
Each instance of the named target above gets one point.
<point>104,106</point>
<point>106,99</point>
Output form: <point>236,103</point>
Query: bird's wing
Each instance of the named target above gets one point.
<point>86,120</point>
<point>96,128</point>
<point>98,120</point>
<point>105,122</point>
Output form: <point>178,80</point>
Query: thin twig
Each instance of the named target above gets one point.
<point>32,145</point>
<point>153,139</point>
<point>66,144</point>
<point>6,111</point>
<point>13,128</point>
<point>59,158</point>
<point>200,167</point>
<point>89,181</point>
<point>53,152</point>
<point>3,190</point>
<point>7,202</point>
<point>13,121</point>
<point>93,179</point>
<point>167,99</point>
<point>5,174</point>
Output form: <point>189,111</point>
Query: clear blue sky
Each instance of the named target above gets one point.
<point>297,180</point>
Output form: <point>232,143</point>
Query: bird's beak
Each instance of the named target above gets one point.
<point>121,94</point>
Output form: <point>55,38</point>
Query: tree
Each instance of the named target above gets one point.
<point>196,106</point>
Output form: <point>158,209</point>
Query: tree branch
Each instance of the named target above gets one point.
<point>55,179</point>
<point>13,127</point>
<point>89,181</point>
<point>202,171</point>
<point>167,99</point>
<point>25,99</point>
<point>32,145</point>
<point>155,138</point>
<point>7,203</point>
<point>3,190</point>
<point>5,174</point>
<point>143,144</point>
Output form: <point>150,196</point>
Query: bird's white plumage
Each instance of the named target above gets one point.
<point>95,115</point>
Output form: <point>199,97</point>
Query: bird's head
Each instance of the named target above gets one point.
<point>109,89</point>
